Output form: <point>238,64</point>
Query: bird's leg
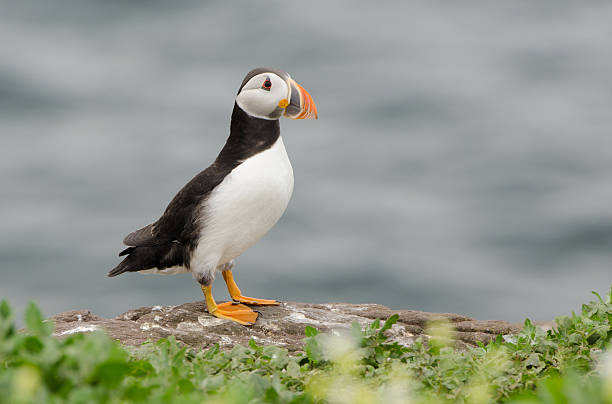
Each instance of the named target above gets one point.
<point>235,292</point>
<point>228,310</point>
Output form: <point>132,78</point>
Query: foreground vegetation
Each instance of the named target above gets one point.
<point>565,365</point>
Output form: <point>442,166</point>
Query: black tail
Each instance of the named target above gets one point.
<point>119,269</point>
<point>141,258</point>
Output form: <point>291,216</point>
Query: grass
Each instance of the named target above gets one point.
<point>565,365</point>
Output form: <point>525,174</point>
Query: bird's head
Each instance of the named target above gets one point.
<point>269,94</point>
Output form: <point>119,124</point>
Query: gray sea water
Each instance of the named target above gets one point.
<point>462,160</point>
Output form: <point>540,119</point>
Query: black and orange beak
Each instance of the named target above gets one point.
<point>300,104</point>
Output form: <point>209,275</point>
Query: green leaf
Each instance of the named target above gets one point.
<point>271,395</point>
<point>528,327</point>
<point>5,310</point>
<point>356,331</point>
<point>110,373</point>
<point>185,386</point>
<point>389,323</point>
<point>35,322</point>
<point>598,297</point>
<point>7,325</point>
<point>33,344</point>
<point>136,393</point>
<point>311,331</point>
<point>141,368</point>
<point>533,361</point>
<point>293,369</point>
<point>313,350</point>
<point>212,383</point>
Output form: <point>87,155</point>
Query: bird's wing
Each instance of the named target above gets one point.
<point>179,223</point>
<point>144,237</point>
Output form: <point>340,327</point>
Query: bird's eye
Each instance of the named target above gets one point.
<point>267,85</point>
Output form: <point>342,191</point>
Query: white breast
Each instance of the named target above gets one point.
<point>244,207</point>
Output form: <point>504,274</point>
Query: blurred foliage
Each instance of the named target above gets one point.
<point>565,365</point>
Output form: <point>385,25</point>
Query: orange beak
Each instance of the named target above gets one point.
<point>301,105</point>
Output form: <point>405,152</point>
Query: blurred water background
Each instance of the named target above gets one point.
<point>462,161</point>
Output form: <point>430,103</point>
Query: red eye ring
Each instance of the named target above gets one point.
<point>267,85</point>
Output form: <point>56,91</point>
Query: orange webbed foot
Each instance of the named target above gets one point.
<point>239,313</point>
<point>237,295</point>
<point>253,301</point>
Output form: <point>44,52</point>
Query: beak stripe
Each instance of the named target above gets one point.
<point>309,109</point>
<point>301,105</point>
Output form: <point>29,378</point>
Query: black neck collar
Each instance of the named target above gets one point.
<point>248,136</point>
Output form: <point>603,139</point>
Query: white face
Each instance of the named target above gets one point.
<point>260,96</point>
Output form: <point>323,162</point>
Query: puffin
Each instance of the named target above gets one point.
<point>233,203</point>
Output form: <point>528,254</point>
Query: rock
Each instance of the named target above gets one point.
<point>278,325</point>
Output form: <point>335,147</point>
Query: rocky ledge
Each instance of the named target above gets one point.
<point>278,325</point>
